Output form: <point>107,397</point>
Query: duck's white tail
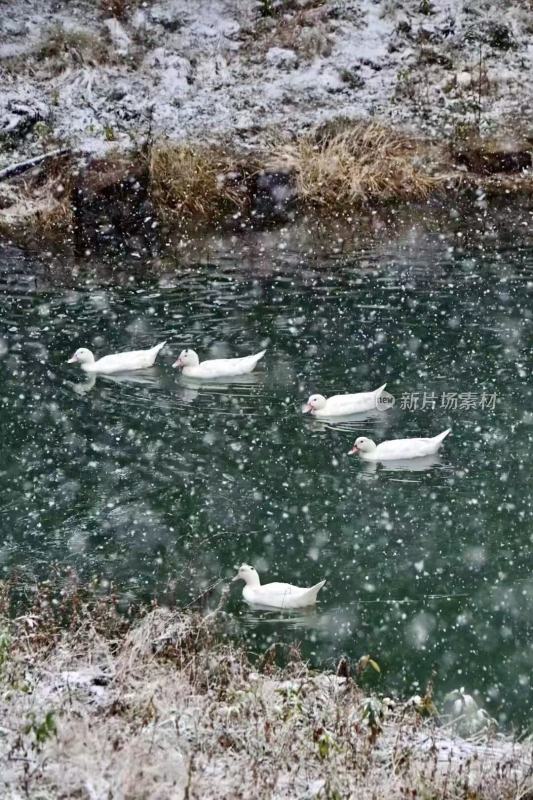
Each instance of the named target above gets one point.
<point>378,392</point>
<point>251,361</point>
<point>157,348</point>
<point>310,595</point>
<point>259,356</point>
<point>441,436</point>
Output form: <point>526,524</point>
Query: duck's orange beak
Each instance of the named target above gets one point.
<point>353,451</point>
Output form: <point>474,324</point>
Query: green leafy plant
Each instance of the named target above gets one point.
<point>292,703</point>
<point>365,662</point>
<point>109,133</point>
<point>42,731</point>
<point>372,715</point>
<point>325,742</point>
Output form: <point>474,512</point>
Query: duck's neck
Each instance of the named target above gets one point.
<point>253,581</point>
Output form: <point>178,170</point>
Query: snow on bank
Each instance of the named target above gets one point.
<point>218,69</point>
<point>163,709</point>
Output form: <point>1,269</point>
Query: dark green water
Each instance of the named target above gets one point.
<point>163,487</point>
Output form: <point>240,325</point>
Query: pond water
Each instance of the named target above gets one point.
<point>162,486</point>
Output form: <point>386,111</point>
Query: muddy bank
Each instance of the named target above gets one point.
<point>157,704</point>
<point>342,171</point>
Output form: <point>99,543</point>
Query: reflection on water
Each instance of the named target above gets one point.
<point>419,464</point>
<point>162,485</point>
<point>290,618</point>
<point>141,377</point>
<point>349,422</point>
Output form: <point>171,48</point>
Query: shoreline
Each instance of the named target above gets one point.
<point>168,190</point>
<point>166,707</point>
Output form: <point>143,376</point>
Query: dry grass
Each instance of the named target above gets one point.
<point>340,165</point>
<point>348,163</point>
<point>39,201</point>
<point>305,31</point>
<point>63,48</point>
<point>161,707</point>
<point>196,182</point>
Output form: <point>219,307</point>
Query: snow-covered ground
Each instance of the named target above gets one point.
<point>220,69</point>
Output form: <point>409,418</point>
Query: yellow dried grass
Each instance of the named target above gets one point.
<point>192,182</point>
<point>345,164</point>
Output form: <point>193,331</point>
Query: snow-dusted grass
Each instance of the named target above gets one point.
<point>94,706</point>
<point>62,48</point>
<point>226,70</point>
<point>39,201</point>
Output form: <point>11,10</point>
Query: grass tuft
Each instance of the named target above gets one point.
<point>303,30</point>
<point>196,182</point>
<point>40,201</point>
<point>64,47</point>
<point>345,163</point>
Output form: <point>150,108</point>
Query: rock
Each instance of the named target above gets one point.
<point>488,163</point>
<point>463,79</point>
<point>282,58</point>
<point>138,19</point>
<point>14,27</point>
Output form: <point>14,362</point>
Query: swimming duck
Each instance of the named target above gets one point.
<point>397,448</point>
<point>275,595</point>
<point>215,368</point>
<point>118,362</point>
<point>340,405</point>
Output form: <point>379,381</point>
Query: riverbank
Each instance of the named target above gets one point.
<point>160,705</point>
<point>339,170</point>
<point>226,113</point>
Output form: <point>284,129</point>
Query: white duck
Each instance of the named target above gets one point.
<point>397,449</point>
<point>118,362</point>
<point>275,595</point>
<point>216,368</point>
<point>340,405</point>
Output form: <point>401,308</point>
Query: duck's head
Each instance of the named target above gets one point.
<point>315,403</point>
<point>247,574</point>
<point>362,445</point>
<point>81,356</point>
<point>187,358</point>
